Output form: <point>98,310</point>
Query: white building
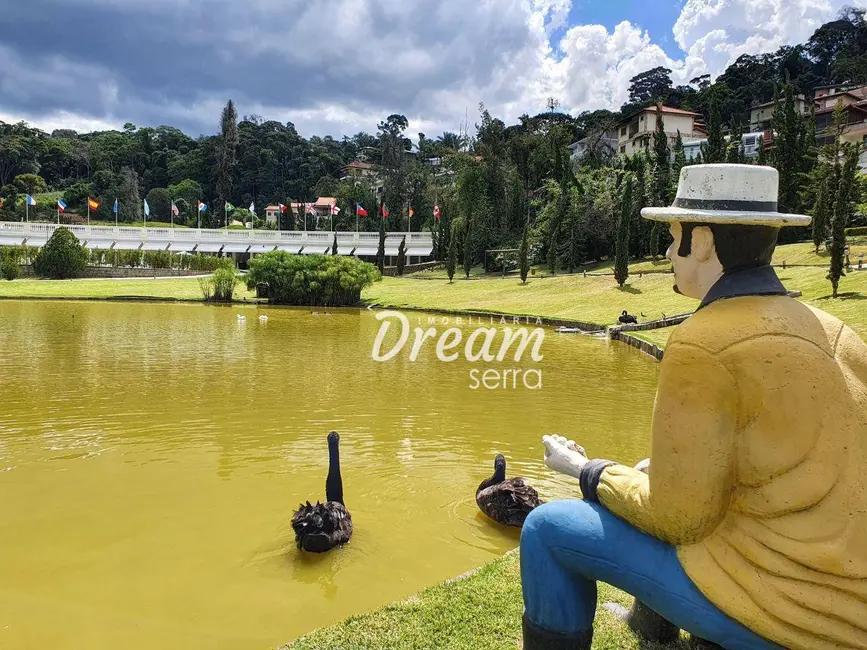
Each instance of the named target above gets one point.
<point>635,133</point>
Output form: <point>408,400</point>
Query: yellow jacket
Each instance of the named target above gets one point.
<point>759,468</point>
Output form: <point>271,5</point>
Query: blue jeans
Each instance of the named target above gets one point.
<point>566,546</point>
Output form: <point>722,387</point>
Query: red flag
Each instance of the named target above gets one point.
<point>384,212</point>
<point>436,212</point>
<point>361,212</point>
<point>282,208</point>
<point>92,203</point>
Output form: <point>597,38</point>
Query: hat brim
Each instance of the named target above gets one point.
<point>732,217</point>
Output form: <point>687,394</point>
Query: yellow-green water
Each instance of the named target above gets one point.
<point>151,456</point>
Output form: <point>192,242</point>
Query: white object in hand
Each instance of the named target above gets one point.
<point>564,455</point>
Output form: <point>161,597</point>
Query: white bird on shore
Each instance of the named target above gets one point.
<point>263,318</point>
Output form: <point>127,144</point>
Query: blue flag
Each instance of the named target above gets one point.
<point>30,200</point>
<point>147,208</point>
<point>115,206</point>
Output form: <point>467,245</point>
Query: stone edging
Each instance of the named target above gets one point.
<point>640,344</point>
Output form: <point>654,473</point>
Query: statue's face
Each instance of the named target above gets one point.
<point>687,270</point>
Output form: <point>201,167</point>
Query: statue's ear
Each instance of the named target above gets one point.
<point>702,243</point>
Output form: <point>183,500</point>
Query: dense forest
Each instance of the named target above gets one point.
<point>488,184</point>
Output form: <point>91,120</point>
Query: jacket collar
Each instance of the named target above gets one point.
<point>756,281</point>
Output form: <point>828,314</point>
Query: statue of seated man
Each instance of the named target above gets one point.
<point>750,528</point>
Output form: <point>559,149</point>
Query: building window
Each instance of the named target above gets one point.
<point>623,131</point>
<point>623,148</point>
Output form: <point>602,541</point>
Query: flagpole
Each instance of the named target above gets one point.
<point>88,210</point>
<point>116,210</point>
<point>27,208</point>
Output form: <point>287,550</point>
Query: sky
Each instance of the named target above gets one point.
<point>336,67</point>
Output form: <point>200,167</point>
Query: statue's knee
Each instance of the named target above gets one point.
<point>537,522</point>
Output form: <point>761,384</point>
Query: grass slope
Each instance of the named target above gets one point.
<point>481,611</point>
<point>164,288</point>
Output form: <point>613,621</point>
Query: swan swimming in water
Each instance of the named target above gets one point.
<point>241,318</point>
<point>263,318</point>
<point>507,501</point>
<point>321,527</point>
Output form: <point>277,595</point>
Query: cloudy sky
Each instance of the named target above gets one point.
<point>339,66</point>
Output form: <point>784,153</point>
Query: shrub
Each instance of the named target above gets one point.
<point>62,257</point>
<point>316,280</point>
<point>854,232</point>
<point>224,281</point>
<point>9,268</point>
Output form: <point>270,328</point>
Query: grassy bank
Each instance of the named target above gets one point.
<point>162,288</point>
<point>481,611</point>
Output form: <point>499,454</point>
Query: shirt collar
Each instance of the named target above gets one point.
<point>756,281</point>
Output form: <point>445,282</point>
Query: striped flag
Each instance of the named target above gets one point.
<point>175,210</point>
<point>29,200</point>
<point>92,204</point>
<point>61,206</point>
<point>411,211</point>
<point>361,212</point>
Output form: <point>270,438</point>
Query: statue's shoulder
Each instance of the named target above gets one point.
<point>727,322</point>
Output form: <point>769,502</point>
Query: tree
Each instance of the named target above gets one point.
<point>380,251</point>
<point>679,159</point>
<point>845,191</point>
<point>788,149</point>
<point>160,203</point>
<point>714,150</point>
<point>334,245</point>
<point>452,261</point>
<point>651,85</point>
<point>662,155</point>
<point>401,257</point>
<point>734,152</point>
<point>227,154</point>
<point>62,257</point>
<point>621,256</point>
<point>524,252</point>
<point>762,154</point>
<point>468,245</point>
<point>29,183</point>
<point>820,214</point>
<point>129,199</point>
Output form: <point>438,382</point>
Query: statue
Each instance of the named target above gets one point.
<point>750,528</point>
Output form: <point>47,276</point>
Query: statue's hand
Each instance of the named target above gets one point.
<point>564,455</point>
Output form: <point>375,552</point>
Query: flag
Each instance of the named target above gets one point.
<point>29,199</point>
<point>92,204</point>
<point>1,203</point>
<point>253,209</point>
<point>115,206</point>
<point>229,206</point>
<point>147,208</point>
<point>282,208</point>
<point>436,212</point>
<point>61,206</point>
<point>309,208</point>
<point>361,212</point>
<point>335,210</point>
<point>202,207</point>
<point>384,212</point>
<point>175,210</point>
<point>411,211</point>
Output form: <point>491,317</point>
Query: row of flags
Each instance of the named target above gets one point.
<point>93,204</point>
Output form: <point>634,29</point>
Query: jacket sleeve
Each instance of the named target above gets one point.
<point>692,459</point>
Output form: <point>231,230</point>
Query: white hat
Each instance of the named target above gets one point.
<point>728,194</point>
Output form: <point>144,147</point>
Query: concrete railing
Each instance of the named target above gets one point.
<point>419,244</point>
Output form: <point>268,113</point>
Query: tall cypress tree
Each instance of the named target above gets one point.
<point>679,160</point>
<point>662,153</point>
<point>820,214</point>
<point>228,145</point>
<point>714,150</point>
<point>468,246</point>
<point>401,256</point>
<point>734,154</point>
<point>524,252</point>
<point>762,156</point>
<point>842,206</point>
<point>129,198</point>
<point>334,245</point>
<point>452,259</point>
<point>621,256</point>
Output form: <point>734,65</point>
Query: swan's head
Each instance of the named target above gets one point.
<point>333,438</point>
<point>500,467</point>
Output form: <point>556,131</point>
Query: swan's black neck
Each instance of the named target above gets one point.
<point>499,472</point>
<point>334,482</point>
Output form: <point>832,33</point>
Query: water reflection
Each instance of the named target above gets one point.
<point>151,456</point>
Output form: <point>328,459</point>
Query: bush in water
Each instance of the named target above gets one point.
<point>62,256</point>
<point>317,280</point>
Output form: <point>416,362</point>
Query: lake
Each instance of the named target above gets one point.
<point>151,456</point>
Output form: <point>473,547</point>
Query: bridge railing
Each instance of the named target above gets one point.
<point>42,231</point>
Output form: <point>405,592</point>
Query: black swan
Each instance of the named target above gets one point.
<point>626,317</point>
<point>321,527</point>
<point>506,501</point>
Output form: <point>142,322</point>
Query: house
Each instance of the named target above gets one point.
<point>635,133</point>
<point>272,214</point>
<point>854,123</point>
<point>762,114</point>
<point>749,144</point>
<point>358,169</point>
<point>603,143</point>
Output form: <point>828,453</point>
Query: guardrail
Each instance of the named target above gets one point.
<point>346,241</point>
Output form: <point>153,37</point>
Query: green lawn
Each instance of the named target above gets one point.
<point>166,288</point>
<point>479,612</point>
